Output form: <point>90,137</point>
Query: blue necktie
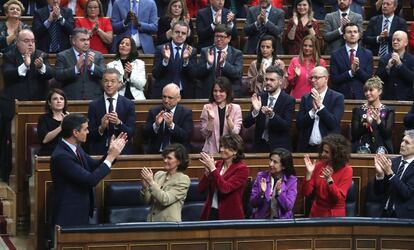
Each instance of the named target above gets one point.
<point>383,49</point>
<point>177,66</point>
<point>54,34</point>
<point>135,9</point>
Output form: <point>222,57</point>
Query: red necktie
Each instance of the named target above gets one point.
<point>351,56</point>
<point>79,156</point>
<point>218,68</point>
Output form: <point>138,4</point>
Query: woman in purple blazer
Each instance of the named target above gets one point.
<point>220,116</point>
<point>274,191</point>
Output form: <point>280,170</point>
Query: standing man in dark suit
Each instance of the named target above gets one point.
<point>168,123</point>
<point>75,173</point>
<point>137,19</point>
<point>318,7</point>
<point>79,68</point>
<point>381,28</point>
<point>261,20</point>
<point>396,70</point>
<point>110,114</point>
<point>320,112</point>
<point>31,6</point>
<point>395,180</point>
<point>26,73</point>
<point>351,65</point>
<point>238,7</point>
<point>52,25</point>
<point>175,62</point>
<point>219,60</point>
<point>334,22</point>
<point>272,113</point>
<point>211,16</point>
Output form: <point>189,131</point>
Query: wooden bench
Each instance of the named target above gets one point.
<point>316,233</point>
<point>127,169</point>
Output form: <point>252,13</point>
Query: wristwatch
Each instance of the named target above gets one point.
<point>330,182</point>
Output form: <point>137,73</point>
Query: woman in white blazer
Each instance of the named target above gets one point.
<point>220,116</point>
<point>131,68</point>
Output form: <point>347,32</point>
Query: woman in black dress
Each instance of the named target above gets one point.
<point>372,122</point>
<point>49,124</point>
<point>176,10</point>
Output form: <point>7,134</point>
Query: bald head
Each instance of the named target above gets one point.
<point>170,96</point>
<point>319,78</point>
<point>399,41</point>
<point>25,41</point>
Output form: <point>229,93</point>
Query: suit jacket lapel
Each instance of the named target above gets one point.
<point>345,57</point>
<point>327,98</point>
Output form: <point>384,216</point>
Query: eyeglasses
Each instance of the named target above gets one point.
<point>220,36</point>
<point>316,78</point>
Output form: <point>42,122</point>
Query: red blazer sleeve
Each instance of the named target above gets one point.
<point>339,189</point>
<point>238,174</point>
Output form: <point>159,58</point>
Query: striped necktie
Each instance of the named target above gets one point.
<point>383,49</point>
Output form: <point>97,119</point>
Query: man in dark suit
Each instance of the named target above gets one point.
<point>261,20</point>
<point>137,19</point>
<point>381,28</point>
<point>219,60</point>
<point>52,25</point>
<point>395,180</point>
<point>175,62</point>
<point>211,16</point>
<point>110,115</point>
<point>238,7</point>
<point>272,113</point>
<point>320,112</point>
<point>396,70</point>
<point>79,69</point>
<point>26,73</point>
<point>75,173</point>
<point>168,123</point>
<point>351,65</point>
<point>31,6</point>
<point>318,7</point>
<point>334,23</point>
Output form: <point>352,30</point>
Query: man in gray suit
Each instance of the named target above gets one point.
<point>261,20</point>
<point>79,69</point>
<point>219,60</point>
<point>335,21</point>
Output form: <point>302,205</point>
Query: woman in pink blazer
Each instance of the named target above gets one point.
<point>220,116</point>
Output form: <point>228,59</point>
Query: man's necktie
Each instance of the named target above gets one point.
<point>401,169</point>
<point>265,135</point>
<point>351,56</point>
<point>383,49</point>
<point>82,69</point>
<point>218,67</point>
<point>110,126</point>
<point>54,36</point>
<point>79,156</point>
<point>166,136</point>
<point>177,66</point>
<point>134,30</point>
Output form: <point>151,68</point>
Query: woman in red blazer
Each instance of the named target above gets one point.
<point>224,180</point>
<point>330,178</point>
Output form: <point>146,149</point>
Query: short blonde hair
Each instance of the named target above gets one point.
<point>10,2</point>
<point>373,83</point>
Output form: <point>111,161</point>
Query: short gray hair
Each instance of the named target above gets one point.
<point>409,133</point>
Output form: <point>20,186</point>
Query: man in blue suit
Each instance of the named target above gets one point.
<point>207,20</point>
<point>320,112</point>
<point>394,179</point>
<point>351,65</point>
<point>272,112</point>
<point>53,25</point>
<point>137,19</point>
<point>381,28</point>
<point>110,115</point>
<point>169,122</point>
<point>75,173</point>
<point>396,69</point>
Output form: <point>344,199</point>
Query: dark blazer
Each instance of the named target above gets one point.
<point>34,85</point>
<point>330,117</point>
<point>398,83</point>
<point>165,74</point>
<point>125,110</point>
<point>204,31</point>
<point>183,120</point>
<point>375,28</point>
<point>278,127</point>
<point>400,190</point>
<point>318,7</point>
<point>164,24</point>
<point>84,86</point>
<point>409,118</point>
<point>379,135</point>
<point>240,7</point>
<point>73,184</point>
<point>274,27</point>
<point>350,87</point>
<point>42,33</point>
<point>233,70</point>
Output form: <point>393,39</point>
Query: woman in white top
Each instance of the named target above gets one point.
<point>131,68</point>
